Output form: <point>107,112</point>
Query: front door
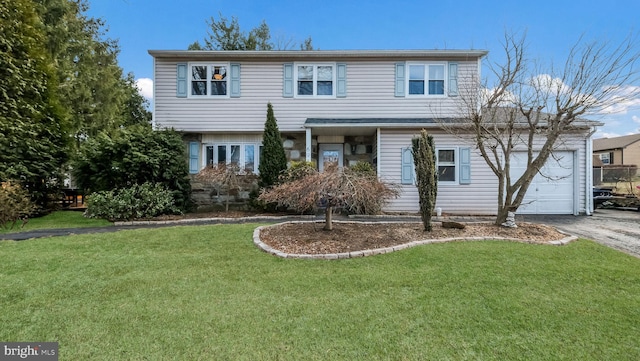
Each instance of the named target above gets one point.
<point>329,154</point>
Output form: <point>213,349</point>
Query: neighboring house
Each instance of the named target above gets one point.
<point>349,106</point>
<point>615,160</point>
<point>623,150</point>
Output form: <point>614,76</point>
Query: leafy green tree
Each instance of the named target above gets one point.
<point>307,44</point>
<point>424,158</point>
<point>225,34</point>
<point>273,160</point>
<point>135,108</point>
<point>135,155</point>
<point>195,46</point>
<point>92,86</point>
<point>32,125</point>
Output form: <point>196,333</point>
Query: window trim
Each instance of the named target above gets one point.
<point>242,156</point>
<point>209,66</point>
<point>455,164</point>
<point>426,66</point>
<point>334,70</point>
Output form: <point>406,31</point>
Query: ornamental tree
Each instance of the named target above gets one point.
<point>355,191</point>
<point>424,158</point>
<point>273,160</point>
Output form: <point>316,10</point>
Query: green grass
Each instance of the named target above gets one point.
<point>59,219</point>
<point>206,293</point>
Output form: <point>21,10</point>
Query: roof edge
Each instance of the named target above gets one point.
<point>315,54</point>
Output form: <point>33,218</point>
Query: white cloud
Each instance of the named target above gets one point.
<point>506,99</point>
<point>600,134</point>
<point>553,85</point>
<point>145,87</point>
<point>636,119</point>
<point>622,99</point>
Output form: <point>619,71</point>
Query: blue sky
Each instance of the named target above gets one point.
<point>552,28</point>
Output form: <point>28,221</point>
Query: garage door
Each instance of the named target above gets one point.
<point>552,190</point>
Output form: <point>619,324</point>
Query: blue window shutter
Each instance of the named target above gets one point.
<point>407,166</point>
<point>341,86</point>
<point>287,89</point>
<point>465,165</point>
<point>235,81</point>
<point>181,77</point>
<point>453,79</point>
<point>193,157</point>
<point>400,79</point>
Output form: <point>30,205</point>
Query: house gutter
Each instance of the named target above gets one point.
<point>317,54</point>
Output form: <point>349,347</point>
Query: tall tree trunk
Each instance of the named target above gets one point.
<point>328,219</point>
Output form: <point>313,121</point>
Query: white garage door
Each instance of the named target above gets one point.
<point>552,190</point>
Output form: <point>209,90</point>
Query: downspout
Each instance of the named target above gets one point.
<point>308,144</point>
<point>153,109</point>
<point>378,168</point>
<point>589,180</point>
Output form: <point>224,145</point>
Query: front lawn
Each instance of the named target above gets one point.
<point>58,219</point>
<point>206,293</point>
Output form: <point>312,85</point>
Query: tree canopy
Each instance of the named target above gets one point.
<point>225,34</point>
<point>60,81</point>
<point>92,87</point>
<point>32,122</point>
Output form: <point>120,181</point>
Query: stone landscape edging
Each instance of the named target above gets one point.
<point>372,252</point>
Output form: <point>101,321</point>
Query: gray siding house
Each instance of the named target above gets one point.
<point>345,107</point>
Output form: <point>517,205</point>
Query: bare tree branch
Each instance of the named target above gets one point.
<point>532,109</point>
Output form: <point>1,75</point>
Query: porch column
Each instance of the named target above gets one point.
<point>308,145</point>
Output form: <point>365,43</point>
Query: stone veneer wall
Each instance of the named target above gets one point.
<point>206,197</point>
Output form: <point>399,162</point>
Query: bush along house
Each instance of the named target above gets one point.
<point>349,106</point>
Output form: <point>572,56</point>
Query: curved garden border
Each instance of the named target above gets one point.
<point>372,252</point>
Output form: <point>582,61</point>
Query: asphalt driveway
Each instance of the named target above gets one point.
<point>616,228</point>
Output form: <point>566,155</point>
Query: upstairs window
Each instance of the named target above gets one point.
<point>208,79</point>
<point>426,79</point>
<point>315,80</point>
<point>605,158</point>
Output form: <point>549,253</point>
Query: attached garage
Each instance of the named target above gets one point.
<point>553,190</point>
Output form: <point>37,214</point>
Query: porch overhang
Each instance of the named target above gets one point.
<point>355,126</point>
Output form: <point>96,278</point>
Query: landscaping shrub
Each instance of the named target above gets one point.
<point>363,168</point>
<point>138,201</point>
<point>298,170</point>
<point>135,155</point>
<point>15,204</point>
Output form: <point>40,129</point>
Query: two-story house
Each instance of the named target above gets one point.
<point>616,159</point>
<point>349,106</point>
<point>624,150</point>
